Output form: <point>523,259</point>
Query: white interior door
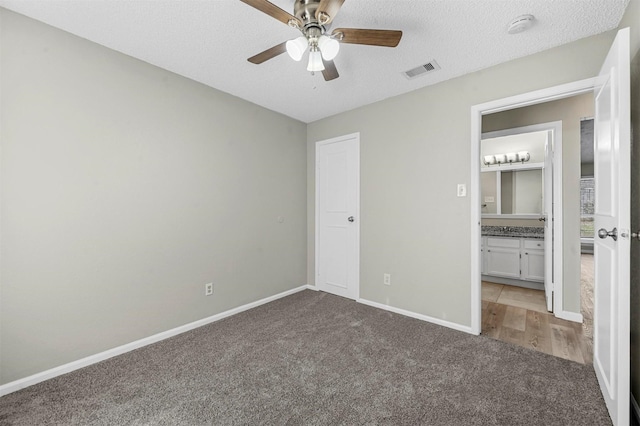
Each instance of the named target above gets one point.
<point>611,247</point>
<point>337,216</point>
<point>547,213</point>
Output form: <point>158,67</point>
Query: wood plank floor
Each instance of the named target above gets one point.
<point>519,316</point>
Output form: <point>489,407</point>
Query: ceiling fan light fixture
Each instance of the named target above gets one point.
<point>297,47</point>
<point>313,18</point>
<point>315,61</point>
<point>329,47</point>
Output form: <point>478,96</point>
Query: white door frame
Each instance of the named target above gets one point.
<point>355,136</point>
<point>477,111</point>
<point>554,245</point>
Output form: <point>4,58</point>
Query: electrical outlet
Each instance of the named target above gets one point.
<point>387,279</point>
<point>208,289</point>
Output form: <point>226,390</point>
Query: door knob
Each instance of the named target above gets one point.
<point>603,233</point>
<point>351,219</point>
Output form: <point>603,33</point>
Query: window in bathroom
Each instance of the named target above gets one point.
<point>587,207</point>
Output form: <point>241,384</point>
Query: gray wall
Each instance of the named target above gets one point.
<point>125,189</point>
<point>415,149</point>
<point>569,111</point>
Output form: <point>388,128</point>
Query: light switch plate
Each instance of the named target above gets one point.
<point>462,190</point>
<point>489,200</point>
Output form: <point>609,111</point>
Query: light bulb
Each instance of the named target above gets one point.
<point>489,159</point>
<point>329,47</point>
<point>501,158</point>
<point>315,61</point>
<point>297,47</point>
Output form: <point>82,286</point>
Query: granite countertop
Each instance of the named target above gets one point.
<point>513,231</point>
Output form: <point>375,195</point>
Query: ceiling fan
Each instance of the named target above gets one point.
<point>312,18</point>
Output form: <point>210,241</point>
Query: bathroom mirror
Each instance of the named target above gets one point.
<point>512,192</point>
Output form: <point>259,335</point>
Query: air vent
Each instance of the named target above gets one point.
<point>427,68</point>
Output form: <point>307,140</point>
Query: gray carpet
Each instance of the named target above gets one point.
<point>314,358</point>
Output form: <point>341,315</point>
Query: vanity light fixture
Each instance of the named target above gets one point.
<point>510,157</point>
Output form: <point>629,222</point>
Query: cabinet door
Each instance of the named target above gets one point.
<point>533,265</point>
<point>503,262</point>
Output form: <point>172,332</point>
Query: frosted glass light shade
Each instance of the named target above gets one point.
<point>501,158</point>
<point>523,156</point>
<point>329,47</point>
<point>489,159</point>
<point>315,61</point>
<point>297,47</point>
<point>512,157</point>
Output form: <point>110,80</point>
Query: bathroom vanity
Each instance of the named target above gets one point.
<point>513,255</point>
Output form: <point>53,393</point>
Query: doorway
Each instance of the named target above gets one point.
<point>518,219</point>
<point>568,110</point>
<point>514,309</point>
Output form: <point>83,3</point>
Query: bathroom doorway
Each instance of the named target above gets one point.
<point>517,314</point>
<point>517,206</point>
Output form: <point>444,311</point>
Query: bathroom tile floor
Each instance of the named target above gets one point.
<point>519,316</point>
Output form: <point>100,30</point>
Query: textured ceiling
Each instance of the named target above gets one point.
<point>210,40</point>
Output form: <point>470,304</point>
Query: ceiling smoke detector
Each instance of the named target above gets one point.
<point>520,24</point>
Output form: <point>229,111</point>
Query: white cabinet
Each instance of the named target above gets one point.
<point>503,257</point>
<point>533,260</point>
<point>515,258</point>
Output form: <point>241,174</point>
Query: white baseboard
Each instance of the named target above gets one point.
<point>569,316</point>
<point>636,408</point>
<point>93,359</point>
<point>444,323</point>
<point>312,287</point>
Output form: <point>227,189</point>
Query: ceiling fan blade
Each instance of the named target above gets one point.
<point>329,9</point>
<point>330,72</point>
<point>387,38</point>
<point>268,54</point>
<point>272,10</point>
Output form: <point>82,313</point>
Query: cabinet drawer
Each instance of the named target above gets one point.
<point>503,242</point>
<point>534,244</point>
